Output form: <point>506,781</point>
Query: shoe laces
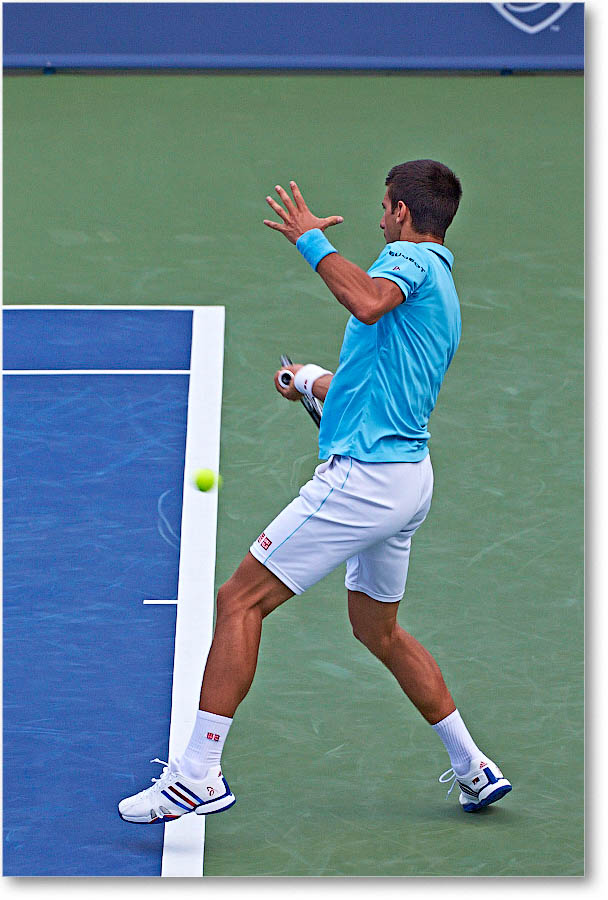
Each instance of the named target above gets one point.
<point>158,781</point>
<point>165,772</point>
<point>449,775</point>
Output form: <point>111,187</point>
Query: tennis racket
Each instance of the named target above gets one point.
<point>313,407</point>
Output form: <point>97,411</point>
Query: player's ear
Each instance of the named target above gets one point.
<point>403,212</point>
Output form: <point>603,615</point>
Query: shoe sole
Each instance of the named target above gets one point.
<point>205,811</point>
<point>161,820</point>
<point>491,798</point>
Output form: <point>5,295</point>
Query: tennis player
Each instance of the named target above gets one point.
<point>364,504</point>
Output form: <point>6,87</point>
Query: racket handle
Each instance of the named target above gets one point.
<point>285,377</point>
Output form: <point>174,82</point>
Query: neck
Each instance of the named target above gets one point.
<point>408,234</point>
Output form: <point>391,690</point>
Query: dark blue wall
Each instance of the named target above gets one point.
<point>294,35</point>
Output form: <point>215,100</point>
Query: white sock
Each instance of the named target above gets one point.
<point>206,745</point>
<point>458,742</point>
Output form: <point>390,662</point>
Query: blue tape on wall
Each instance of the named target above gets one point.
<point>295,35</point>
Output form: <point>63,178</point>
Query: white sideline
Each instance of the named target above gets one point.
<point>183,848</point>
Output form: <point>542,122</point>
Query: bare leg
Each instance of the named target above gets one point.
<point>242,602</point>
<point>375,625</point>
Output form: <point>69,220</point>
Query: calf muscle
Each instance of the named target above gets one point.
<point>242,603</point>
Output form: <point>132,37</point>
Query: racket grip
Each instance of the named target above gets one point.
<point>285,377</point>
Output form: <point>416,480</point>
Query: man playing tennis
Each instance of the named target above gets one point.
<point>365,503</point>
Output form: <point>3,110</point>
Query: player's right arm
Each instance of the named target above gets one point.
<point>290,392</point>
<point>321,387</point>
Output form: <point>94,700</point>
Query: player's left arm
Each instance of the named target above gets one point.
<point>368,299</point>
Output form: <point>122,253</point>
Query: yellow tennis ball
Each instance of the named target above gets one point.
<point>205,479</point>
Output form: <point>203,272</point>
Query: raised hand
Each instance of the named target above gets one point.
<point>296,216</point>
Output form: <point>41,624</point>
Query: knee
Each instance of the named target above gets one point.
<point>377,641</point>
<point>232,601</point>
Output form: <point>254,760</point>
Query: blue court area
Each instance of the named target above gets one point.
<point>93,476</point>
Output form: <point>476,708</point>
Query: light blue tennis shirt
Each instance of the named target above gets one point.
<point>386,385</point>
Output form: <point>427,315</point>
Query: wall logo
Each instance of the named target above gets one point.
<point>531,17</point>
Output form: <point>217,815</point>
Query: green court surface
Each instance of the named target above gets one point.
<point>150,189</point>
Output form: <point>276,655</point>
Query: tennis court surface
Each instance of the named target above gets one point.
<point>95,441</point>
<point>149,190</point>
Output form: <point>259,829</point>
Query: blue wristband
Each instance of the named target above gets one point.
<point>314,246</point>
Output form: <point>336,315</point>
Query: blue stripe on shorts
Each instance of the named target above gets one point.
<point>311,515</point>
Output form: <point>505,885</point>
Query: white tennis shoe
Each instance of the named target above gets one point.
<point>173,795</point>
<point>483,784</point>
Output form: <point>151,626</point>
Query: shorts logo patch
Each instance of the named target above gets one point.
<point>212,737</point>
<point>264,541</point>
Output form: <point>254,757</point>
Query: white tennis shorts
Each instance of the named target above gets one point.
<point>364,513</point>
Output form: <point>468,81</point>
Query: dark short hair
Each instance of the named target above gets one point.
<point>431,192</point>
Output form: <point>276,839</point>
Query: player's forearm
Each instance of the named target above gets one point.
<point>351,286</point>
<point>321,386</point>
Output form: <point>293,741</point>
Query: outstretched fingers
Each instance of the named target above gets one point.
<point>276,226</point>
<point>285,198</point>
<point>332,220</point>
<point>278,209</point>
<point>295,214</point>
<point>297,196</point>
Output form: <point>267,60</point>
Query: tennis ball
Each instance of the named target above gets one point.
<point>205,479</point>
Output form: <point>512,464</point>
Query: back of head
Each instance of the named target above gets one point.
<point>431,192</point>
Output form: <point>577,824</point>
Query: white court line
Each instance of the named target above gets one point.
<point>95,371</point>
<point>183,847</point>
<point>92,307</point>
